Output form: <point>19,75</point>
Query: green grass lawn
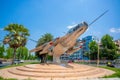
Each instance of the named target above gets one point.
<point>116,74</point>
<point>12,79</point>
<point>7,79</point>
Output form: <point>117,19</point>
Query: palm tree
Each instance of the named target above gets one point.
<point>44,39</point>
<point>17,37</point>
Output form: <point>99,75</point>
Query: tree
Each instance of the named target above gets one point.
<point>31,56</point>
<point>2,50</point>
<point>44,39</point>
<point>17,37</point>
<point>9,53</point>
<point>86,54</point>
<point>93,50</point>
<point>22,53</point>
<point>109,48</point>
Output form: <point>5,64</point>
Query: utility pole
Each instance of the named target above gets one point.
<point>98,55</point>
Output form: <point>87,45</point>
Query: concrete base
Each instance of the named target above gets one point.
<point>56,60</point>
<point>54,72</point>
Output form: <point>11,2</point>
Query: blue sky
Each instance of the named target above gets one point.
<point>56,16</point>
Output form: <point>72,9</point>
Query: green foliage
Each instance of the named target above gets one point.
<point>50,58</point>
<point>109,48</point>
<point>1,78</point>
<point>22,53</point>
<point>2,50</point>
<point>9,53</point>
<point>17,37</point>
<point>45,38</point>
<point>31,57</point>
<point>93,50</point>
<point>107,42</point>
<point>25,53</point>
<point>86,54</point>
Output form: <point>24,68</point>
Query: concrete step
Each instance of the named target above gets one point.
<point>48,74</point>
<point>52,70</point>
<point>56,67</point>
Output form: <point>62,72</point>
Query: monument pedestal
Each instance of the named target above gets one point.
<point>56,59</point>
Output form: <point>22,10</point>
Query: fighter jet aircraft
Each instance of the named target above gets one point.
<point>66,44</point>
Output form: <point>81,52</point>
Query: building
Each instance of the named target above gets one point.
<point>75,56</point>
<point>117,42</point>
<point>87,40</point>
<point>85,48</point>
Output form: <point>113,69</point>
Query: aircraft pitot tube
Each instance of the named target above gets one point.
<point>66,44</point>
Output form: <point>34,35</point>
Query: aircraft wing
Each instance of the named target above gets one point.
<point>47,47</point>
<point>76,47</point>
<point>70,51</point>
<point>43,48</point>
<point>37,49</point>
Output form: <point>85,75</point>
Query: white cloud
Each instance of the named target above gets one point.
<point>115,30</point>
<point>112,30</point>
<point>71,26</point>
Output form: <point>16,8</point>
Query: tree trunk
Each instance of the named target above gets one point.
<point>19,55</point>
<point>14,56</point>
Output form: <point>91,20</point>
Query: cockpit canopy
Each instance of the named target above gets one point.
<point>77,27</point>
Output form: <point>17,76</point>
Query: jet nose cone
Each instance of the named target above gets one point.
<point>84,23</point>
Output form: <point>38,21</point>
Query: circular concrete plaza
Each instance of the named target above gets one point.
<point>55,72</point>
